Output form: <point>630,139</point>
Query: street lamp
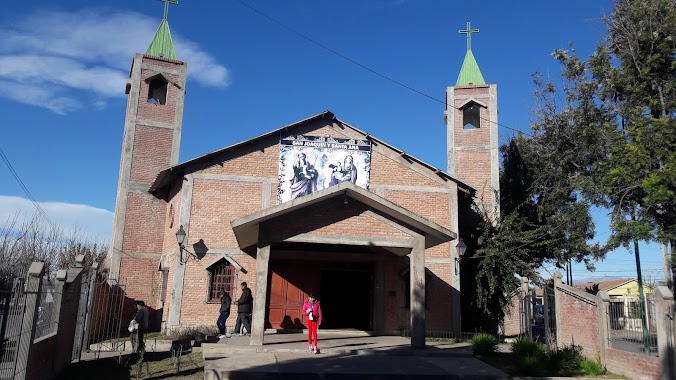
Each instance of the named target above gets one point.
<point>180,239</point>
<point>461,247</point>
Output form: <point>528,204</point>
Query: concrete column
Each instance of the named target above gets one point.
<point>258,322</point>
<point>90,304</point>
<point>666,334</point>
<point>61,275</point>
<point>417,296</point>
<point>174,317</point>
<point>525,307</point>
<point>33,289</point>
<point>602,308</point>
<point>557,307</point>
<point>378,296</point>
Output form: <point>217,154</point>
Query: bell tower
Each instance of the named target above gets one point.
<point>471,119</point>
<point>152,133</point>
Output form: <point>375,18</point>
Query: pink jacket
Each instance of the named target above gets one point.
<point>316,311</point>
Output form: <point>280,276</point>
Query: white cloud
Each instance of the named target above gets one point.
<point>57,60</point>
<point>93,223</point>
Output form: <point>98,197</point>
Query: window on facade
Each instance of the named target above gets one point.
<point>471,116</point>
<point>221,276</point>
<point>157,91</point>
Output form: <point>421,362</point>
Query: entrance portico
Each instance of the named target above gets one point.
<point>344,215</point>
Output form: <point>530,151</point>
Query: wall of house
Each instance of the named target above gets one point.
<point>630,288</point>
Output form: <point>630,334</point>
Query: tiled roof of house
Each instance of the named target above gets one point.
<point>603,285</point>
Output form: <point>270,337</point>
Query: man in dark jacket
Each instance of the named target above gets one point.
<point>244,306</point>
<point>224,313</point>
<point>141,318</point>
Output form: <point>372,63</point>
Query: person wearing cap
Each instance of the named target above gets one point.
<point>313,312</point>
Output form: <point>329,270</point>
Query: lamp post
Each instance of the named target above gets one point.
<point>461,247</point>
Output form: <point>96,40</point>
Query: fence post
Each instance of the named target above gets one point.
<point>525,309</point>
<point>557,307</point>
<point>602,307</point>
<point>33,288</point>
<point>664,318</point>
<point>90,304</point>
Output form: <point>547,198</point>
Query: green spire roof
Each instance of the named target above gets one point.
<point>162,45</point>
<point>470,73</point>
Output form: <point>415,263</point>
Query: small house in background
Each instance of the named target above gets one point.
<point>625,306</point>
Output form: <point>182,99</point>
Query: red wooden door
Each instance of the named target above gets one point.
<point>289,288</point>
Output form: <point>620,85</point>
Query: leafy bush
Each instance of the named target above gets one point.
<point>592,368</point>
<point>526,347</point>
<point>568,358</point>
<point>484,344</point>
<point>531,365</point>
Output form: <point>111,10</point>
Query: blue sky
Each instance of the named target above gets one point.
<point>63,66</point>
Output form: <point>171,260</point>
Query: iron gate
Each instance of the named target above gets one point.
<point>12,308</point>
<point>105,330</point>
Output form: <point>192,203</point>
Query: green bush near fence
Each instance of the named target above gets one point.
<point>529,358</point>
<point>484,344</point>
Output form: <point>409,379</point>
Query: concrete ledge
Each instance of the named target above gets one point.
<point>153,345</point>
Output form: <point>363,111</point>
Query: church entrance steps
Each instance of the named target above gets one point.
<point>342,356</point>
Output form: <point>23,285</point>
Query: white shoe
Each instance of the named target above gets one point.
<point>221,336</point>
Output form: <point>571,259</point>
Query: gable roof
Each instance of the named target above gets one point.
<point>167,176</point>
<point>604,286</point>
<point>246,228</point>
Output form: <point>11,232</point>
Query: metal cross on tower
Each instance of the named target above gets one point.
<point>467,31</point>
<point>166,6</point>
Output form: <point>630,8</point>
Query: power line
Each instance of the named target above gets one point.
<point>373,71</point>
<point>16,176</point>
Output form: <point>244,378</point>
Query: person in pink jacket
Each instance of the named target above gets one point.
<point>313,312</point>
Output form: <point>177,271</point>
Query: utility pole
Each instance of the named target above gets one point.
<point>641,299</point>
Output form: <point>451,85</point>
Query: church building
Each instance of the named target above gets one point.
<point>317,206</point>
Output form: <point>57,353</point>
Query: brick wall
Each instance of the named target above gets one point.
<point>511,323</point>
<point>578,322</point>
<point>635,366</point>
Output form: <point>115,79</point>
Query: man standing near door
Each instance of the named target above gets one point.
<point>244,306</point>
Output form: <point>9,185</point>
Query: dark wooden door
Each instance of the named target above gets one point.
<point>289,288</point>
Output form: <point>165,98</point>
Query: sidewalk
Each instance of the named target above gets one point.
<point>343,356</point>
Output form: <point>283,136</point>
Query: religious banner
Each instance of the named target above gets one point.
<point>311,163</point>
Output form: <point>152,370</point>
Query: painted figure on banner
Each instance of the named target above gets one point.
<point>345,172</point>
<point>304,179</point>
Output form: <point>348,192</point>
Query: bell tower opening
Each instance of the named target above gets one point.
<point>157,90</point>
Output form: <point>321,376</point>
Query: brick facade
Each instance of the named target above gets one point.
<point>205,195</point>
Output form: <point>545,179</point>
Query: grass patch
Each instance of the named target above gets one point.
<point>530,358</point>
<point>154,366</point>
<point>484,344</point>
<point>192,333</point>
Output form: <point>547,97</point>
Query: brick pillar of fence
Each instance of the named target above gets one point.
<point>90,305</point>
<point>557,307</point>
<point>525,309</point>
<point>33,287</point>
<point>666,336</point>
<point>603,308</point>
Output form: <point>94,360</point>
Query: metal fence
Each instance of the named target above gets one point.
<point>12,308</point>
<point>627,331</point>
<point>48,318</point>
<point>106,332</point>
